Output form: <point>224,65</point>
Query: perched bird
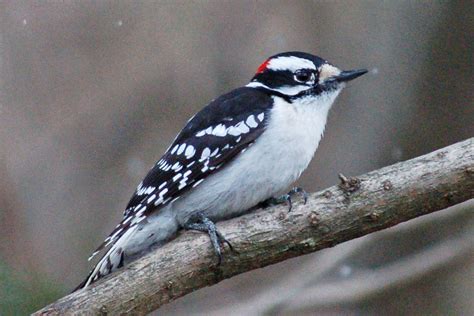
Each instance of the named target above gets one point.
<point>245,147</point>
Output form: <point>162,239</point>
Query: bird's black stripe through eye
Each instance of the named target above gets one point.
<point>304,76</point>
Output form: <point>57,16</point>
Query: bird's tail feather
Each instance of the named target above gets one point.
<point>111,261</point>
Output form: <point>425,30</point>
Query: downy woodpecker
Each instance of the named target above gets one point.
<point>244,148</point>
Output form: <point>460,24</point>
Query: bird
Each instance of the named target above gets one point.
<point>246,147</point>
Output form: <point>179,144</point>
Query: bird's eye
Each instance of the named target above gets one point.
<point>304,76</point>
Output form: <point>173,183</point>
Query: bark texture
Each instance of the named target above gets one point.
<point>356,207</point>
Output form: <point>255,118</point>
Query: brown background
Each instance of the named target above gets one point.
<point>93,92</point>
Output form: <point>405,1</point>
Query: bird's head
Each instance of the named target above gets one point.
<point>294,75</point>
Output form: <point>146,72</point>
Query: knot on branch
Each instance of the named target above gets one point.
<point>349,185</point>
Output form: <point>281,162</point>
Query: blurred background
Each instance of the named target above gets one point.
<point>92,93</point>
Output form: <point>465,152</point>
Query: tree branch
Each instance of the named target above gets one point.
<point>358,206</point>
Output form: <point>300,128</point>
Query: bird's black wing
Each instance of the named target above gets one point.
<point>210,140</point>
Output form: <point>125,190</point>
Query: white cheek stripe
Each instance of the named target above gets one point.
<point>285,89</point>
<point>290,63</point>
<point>288,90</point>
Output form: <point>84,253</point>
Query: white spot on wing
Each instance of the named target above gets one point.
<point>163,192</point>
<point>159,201</point>
<point>181,149</point>
<point>174,149</point>
<point>234,131</point>
<point>260,117</point>
<point>205,153</point>
<point>242,127</point>
<point>151,198</point>
<point>251,121</point>
<point>145,190</point>
<point>150,190</point>
<point>219,130</point>
<point>190,151</point>
<point>141,210</point>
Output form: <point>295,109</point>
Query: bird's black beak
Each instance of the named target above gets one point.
<point>348,75</point>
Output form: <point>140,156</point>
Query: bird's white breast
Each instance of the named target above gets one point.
<point>268,167</point>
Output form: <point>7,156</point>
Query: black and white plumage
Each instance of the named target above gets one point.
<point>243,148</point>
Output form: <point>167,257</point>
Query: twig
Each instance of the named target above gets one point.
<point>385,197</point>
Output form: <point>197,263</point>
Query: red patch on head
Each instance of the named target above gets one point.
<point>263,66</point>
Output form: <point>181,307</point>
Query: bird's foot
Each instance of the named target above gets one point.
<point>286,198</point>
<point>202,223</point>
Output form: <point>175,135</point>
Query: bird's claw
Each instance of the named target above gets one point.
<point>287,198</point>
<point>203,224</point>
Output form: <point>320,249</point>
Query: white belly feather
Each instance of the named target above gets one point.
<point>265,169</point>
<point>268,167</point>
